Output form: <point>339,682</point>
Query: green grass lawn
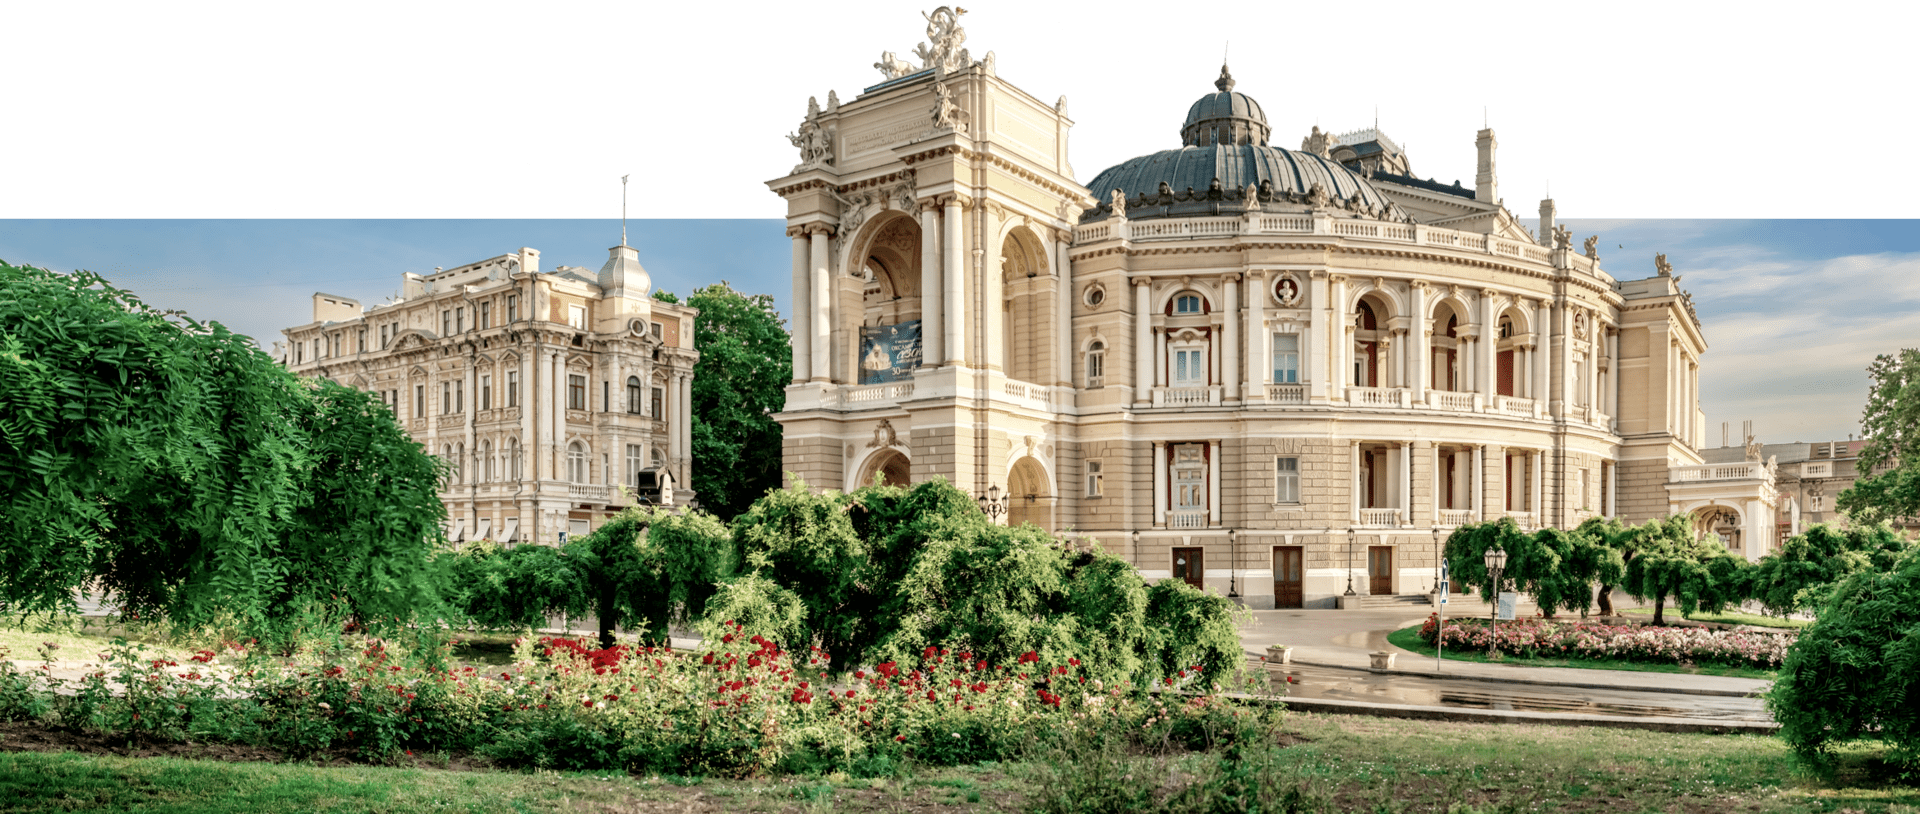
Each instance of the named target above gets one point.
<point>1729,618</point>
<point>1408,638</point>
<point>1335,763</point>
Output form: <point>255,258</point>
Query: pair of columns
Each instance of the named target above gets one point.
<point>1163,481</point>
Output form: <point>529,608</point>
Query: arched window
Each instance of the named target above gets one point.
<point>460,462</point>
<point>658,458</point>
<point>576,463</point>
<point>1187,304</point>
<point>486,458</point>
<point>513,459</point>
<point>446,454</point>
<point>1096,363</point>
<point>635,398</point>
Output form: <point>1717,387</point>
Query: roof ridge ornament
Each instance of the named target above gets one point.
<point>1225,83</point>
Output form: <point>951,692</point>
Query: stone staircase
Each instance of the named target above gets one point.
<point>1396,601</point>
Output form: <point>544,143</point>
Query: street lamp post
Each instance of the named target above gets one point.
<point>1351,534</point>
<point>991,504</point>
<point>1496,561</point>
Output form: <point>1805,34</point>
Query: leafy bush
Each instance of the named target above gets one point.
<point>1855,672</point>
<point>1797,575</point>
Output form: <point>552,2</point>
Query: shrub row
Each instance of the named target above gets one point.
<point>1583,640</point>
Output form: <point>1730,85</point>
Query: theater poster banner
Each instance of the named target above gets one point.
<point>889,353</point>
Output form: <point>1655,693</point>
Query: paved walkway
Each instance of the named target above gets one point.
<point>1343,639</point>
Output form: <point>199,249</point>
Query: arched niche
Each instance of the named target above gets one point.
<point>1027,289</point>
<point>889,268</point>
<point>1030,494</point>
<point>892,466</point>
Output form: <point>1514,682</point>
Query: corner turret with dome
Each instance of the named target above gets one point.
<point>1265,371</point>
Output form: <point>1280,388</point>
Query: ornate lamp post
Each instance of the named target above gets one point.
<point>1351,535</point>
<point>1496,560</point>
<point>992,503</point>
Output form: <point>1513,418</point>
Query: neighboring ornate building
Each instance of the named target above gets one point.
<point>544,391</point>
<point>1247,367</point>
<point>1807,479</point>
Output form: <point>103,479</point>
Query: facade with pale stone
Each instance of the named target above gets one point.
<point>546,393</point>
<point>1259,370</point>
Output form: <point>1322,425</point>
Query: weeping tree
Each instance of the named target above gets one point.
<point>1670,559</point>
<point>1557,568</point>
<point>1796,576</point>
<point>175,465</point>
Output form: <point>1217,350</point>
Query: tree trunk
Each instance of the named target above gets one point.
<point>1659,608</point>
<point>1606,600</point>
<point>608,616</point>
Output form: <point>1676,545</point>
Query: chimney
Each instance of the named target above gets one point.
<point>1546,214</point>
<point>1484,188</point>
<point>529,260</point>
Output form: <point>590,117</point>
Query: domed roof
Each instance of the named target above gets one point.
<point>1225,117</point>
<point>1226,151</point>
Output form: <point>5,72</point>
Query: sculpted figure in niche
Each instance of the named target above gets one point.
<point>1591,248</point>
<point>1287,291</point>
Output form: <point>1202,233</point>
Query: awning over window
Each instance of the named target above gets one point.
<point>511,534</point>
<point>459,531</point>
<point>485,531</point>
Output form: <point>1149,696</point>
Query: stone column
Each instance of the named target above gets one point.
<point>821,317</point>
<point>1159,483</point>
<point>684,430</point>
<point>1406,482</point>
<point>1535,472</point>
<point>1353,480</point>
<point>1613,487</point>
<point>559,445</point>
<point>955,271</point>
<point>524,402</point>
<point>1259,355</point>
<point>1213,482</point>
<point>1339,338</point>
<point>1230,341</point>
<point>1489,362</point>
<point>1421,350</point>
<point>1493,458</point>
<point>1477,483</point>
<point>1613,382</point>
<point>1469,361</point>
<point>1563,354</point>
<point>932,325</point>
<point>542,402</point>
<point>1142,341</point>
<point>472,402</point>
<point>993,290</point>
<point>1592,383</point>
<point>1542,343</point>
<point>801,329</point>
<point>1318,340</point>
<point>1063,311</point>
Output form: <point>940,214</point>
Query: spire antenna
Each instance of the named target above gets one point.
<point>623,210</point>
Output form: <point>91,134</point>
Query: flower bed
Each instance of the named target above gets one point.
<point>1580,640</point>
<point>742,706</point>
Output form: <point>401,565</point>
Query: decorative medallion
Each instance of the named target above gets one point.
<point>1286,290</point>
<point>1094,295</point>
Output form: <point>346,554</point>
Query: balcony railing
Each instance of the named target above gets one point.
<point>1745,470</point>
<point>1527,520</point>
<point>893,391</point>
<point>1455,517</point>
<point>1457,402</point>
<point>1021,391</point>
<point>1185,396</point>
<point>1187,519</point>
<point>1513,405</point>
<point>1377,396</point>
<point>1287,393</point>
<point>586,491</point>
<point>1380,518</point>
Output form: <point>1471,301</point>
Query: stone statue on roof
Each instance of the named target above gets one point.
<point>1562,238</point>
<point>1317,143</point>
<point>942,52</point>
<point>1591,248</point>
<point>1661,265</point>
<point>1753,449</point>
<point>1119,203</point>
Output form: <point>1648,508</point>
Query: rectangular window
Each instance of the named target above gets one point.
<point>636,461</point>
<point>460,396</point>
<point>446,323</point>
<point>577,316</point>
<point>460,320</point>
<point>606,396</point>
<point>1189,368</point>
<point>1286,480</point>
<point>446,397</point>
<point>419,400</point>
<point>360,341</point>
<point>658,397</point>
<point>576,392</point>
<point>1189,477</point>
<point>513,388</point>
<point>1094,479</point>
<point>486,314</point>
<point>513,308</point>
<point>486,391</point>
<point>1286,358</point>
<point>657,330</point>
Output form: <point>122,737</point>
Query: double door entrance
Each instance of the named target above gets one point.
<point>1289,574</point>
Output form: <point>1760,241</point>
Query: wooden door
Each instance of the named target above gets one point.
<point>1380,570</point>
<point>1289,589</point>
<point>1506,373</point>
<point>1189,566</point>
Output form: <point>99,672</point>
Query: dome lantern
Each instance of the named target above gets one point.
<point>1225,117</point>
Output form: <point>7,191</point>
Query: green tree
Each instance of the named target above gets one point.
<point>1855,672</point>
<point>1667,558</point>
<point>1795,577</point>
<point>177,466</point>
<point>1889,464</point>
<point>1557,568</point>
<point>746,361</point>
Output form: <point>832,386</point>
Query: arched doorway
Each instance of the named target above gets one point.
<point>892,467</point>
<point>1720,524</point>
<point>1029,495</point>
<point>1027,341</point>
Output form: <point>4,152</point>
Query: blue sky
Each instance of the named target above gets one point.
<point>1794,310</point>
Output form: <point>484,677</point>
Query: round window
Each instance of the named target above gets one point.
<point>1095,295</point>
